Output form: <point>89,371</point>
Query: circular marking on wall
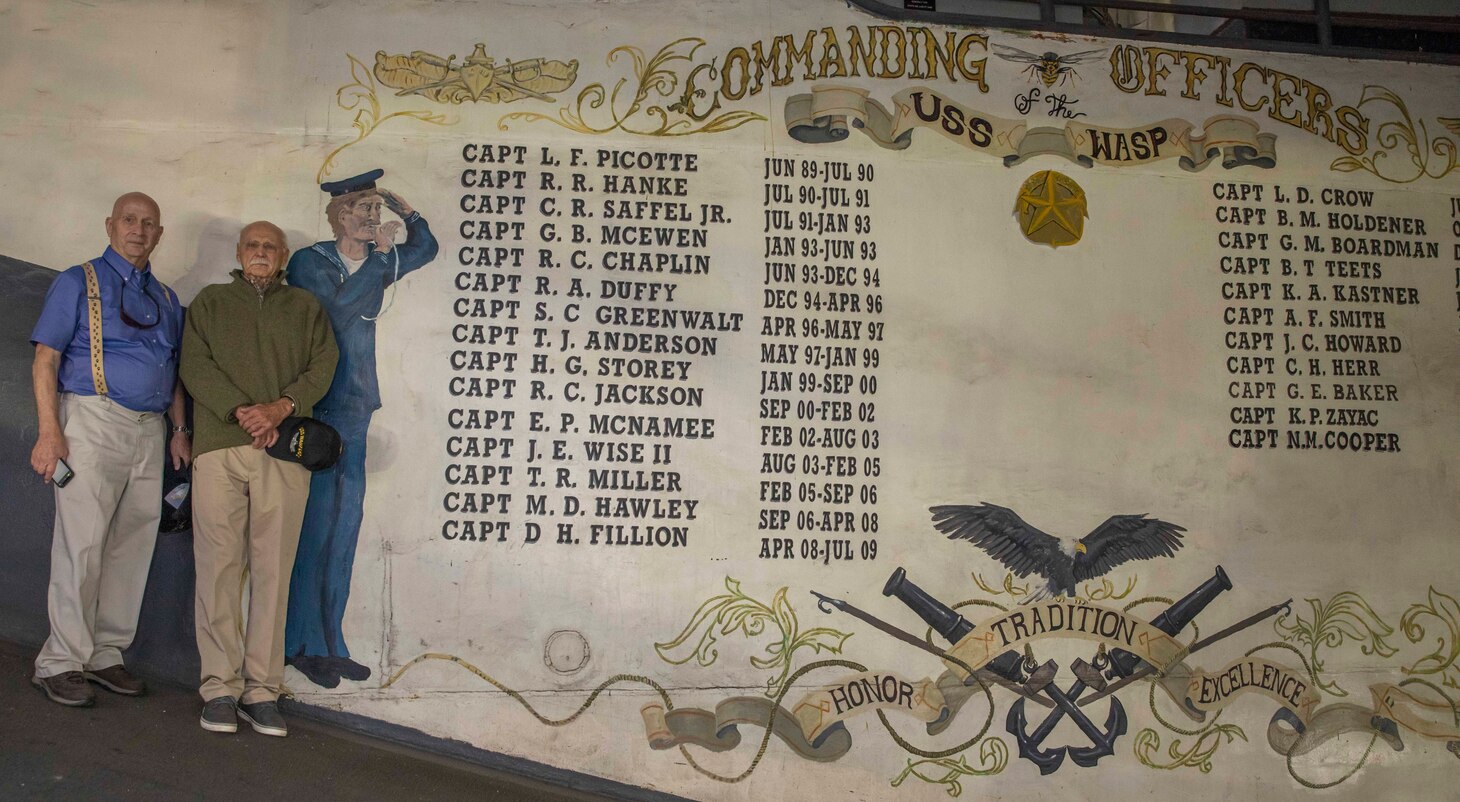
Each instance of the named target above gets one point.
<point>1051,209</point>
<point>566,651</point>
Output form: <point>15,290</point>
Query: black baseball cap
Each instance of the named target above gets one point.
<point>311,443</point>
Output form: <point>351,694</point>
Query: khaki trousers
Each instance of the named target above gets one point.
<point>106,527</point>
<point>247,508</point>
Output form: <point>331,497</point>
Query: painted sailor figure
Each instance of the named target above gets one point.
<point>351,277</point>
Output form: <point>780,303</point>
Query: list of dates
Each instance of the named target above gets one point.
<point>579,364</point>
<point>590,332</point>
<point>1319,296</point>
<point>821,335</point>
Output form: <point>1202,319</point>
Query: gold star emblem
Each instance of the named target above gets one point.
<point>1051,209</point>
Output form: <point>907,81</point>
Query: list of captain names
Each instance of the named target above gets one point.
<point>1318,287</point>
<point>578,356</point>
<point>576,365</point>
<point>578,359</point>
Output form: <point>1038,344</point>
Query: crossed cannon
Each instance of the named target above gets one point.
<point>1035,681</point>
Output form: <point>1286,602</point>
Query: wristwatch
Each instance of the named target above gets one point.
<point>185,430</point>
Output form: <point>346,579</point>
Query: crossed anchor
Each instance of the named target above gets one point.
<point>1102,741</point>
<point>1025,676</point>
<point>1033,681</point>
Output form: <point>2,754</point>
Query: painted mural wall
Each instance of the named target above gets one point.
<point>740,435</point>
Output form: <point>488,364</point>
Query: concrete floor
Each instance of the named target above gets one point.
<point>152,748</point>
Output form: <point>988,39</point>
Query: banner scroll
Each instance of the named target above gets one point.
<point>812,727</point>
<point>1210,692</point>
<point>861,693</point>
<point>718,730</point>
<point>815,728</point>
<point>1395,710</point>
<point>829,112</point>
<point>1057,618</point>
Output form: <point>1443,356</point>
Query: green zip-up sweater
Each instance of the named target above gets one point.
<point>240,347</point>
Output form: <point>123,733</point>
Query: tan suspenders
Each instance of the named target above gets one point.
<point>93,316</point>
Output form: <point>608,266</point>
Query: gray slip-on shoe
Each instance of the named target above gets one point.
<point>219,715</point>
<point>265,718</point>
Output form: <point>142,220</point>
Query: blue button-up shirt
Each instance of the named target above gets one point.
<point>140,365</point>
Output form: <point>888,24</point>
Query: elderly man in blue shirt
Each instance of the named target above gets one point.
<point>100,407</point>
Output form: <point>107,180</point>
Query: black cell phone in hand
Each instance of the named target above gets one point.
<point>63,473</point>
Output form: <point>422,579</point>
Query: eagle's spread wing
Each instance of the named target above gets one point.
<point>1004,535</point>
<point>1123,538</point>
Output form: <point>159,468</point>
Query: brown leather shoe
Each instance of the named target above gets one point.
<point>117,680</point>
<point>69,689</point>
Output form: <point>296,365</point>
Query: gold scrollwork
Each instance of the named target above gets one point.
<point>1197,754</point>
<point>735,611</point>
<point>359,96</point>
<point>1441,661</point>
<point>1007,588</point>
<point>1104,590</point>
<point>653,77</point>
<point>630,679</point>
<point>1346,616</point>
<point>1426,158</point>
<point>993,758</point>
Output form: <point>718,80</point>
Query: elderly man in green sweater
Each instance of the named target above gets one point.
<point>254,352</point>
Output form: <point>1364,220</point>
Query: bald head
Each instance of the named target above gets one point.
<point>262,249</point>
<point>137,197</point>
<point>258,227</point>
<point>134,228</point>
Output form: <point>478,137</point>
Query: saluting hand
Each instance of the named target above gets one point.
<point>394,202</point>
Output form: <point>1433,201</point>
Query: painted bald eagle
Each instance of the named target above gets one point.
<point>1024,549</point>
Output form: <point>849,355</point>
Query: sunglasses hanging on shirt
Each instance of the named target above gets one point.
<point>139,309</point>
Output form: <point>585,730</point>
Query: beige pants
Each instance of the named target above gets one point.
<point>106,526</point>
<point>247,508</point>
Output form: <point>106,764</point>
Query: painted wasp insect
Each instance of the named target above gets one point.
<point>1049,67</point>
